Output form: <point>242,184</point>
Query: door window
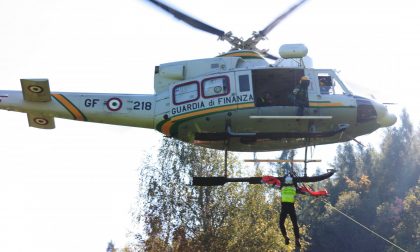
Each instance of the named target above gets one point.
<point>244,83</point>
<point>185,92</point>
<point>217,86</point>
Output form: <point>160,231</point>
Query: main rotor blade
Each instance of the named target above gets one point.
<point>270,56</point>
<point>273,24</point>
<point>189,20</point>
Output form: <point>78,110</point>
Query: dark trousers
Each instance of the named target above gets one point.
<point>301,104</point>
<point>300,110</point>
<point>288,209</point>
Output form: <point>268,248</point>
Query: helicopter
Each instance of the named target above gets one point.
<point>214,102</point>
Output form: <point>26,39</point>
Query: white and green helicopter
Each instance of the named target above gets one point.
<point>216,102</point>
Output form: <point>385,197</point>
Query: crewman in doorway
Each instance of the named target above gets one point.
<point>265,100</point>
<point>300,94</point>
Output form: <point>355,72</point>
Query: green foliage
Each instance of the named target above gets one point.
<point>408,228</point>
<point>178,217</point>
<point>380,189</point>
<point>373,188</point>
<point>254,225</point>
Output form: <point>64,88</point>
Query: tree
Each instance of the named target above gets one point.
<point>346,166</point>
<point>177,217</point>
<point>180,217</point>
<point>397,162</point>
<point>378,189</point>
<point>407,231</point>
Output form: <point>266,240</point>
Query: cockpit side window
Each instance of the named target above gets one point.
<point>325,84</point>
<point>328,85</point>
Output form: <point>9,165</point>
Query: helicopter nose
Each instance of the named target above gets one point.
<point>384,117</point>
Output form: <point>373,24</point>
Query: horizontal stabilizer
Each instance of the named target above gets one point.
<point>41,121</point>
<point>36,90</point>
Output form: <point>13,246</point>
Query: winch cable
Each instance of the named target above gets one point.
<point>352,219</point>
<point>360,224</point>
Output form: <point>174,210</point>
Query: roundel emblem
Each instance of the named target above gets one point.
<point>35,89</point>
<point>217,89</point>
<point>41,121</point>
<point>114,104</point>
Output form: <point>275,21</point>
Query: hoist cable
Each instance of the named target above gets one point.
<point>360,224</point>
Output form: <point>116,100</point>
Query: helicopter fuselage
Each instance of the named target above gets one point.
<point>235,101</point>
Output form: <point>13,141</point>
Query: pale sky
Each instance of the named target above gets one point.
<point>72,188</point>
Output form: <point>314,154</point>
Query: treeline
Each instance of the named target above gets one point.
<point>379,189</point>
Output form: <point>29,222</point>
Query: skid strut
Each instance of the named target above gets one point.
<point>220,181</point>
<point>226,157</point>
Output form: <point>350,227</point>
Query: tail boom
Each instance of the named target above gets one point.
<point>42,106</point>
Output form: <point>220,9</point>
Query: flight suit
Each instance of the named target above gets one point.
<point>288,193</point>
<point>301,96</point>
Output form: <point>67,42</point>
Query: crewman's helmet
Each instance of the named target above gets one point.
<point>304,79</point>
<point>288,180</point>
